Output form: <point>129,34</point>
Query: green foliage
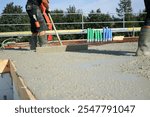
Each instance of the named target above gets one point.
<point>9,21</point>
<point>10,8</point>
<point>124,6</point>
<point>141,17</point>
<point>125,13</point>
<point>97,16</point>
<point>58,17</point>
<point>73,16</point>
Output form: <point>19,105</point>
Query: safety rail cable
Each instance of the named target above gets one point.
<point>70,23</point>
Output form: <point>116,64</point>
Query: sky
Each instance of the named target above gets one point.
<point>106,6</point>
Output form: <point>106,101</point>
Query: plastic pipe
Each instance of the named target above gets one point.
<point>110,35</point>
<point>101,37</point>
<point>98,38</point>
<point>107,34</point>
<point>92,40</point>
<point>88,34</point>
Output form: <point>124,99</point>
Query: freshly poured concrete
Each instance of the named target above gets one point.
<point>64,48</point>
<point>102,72</point>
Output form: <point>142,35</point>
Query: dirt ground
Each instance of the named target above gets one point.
<point>103,72</point>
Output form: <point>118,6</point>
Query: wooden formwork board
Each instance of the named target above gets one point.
<point>22,90</point>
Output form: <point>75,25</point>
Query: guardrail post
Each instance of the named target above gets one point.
<point>82,21</point>
<point>101,37</point>
<point>123,19</point>
<point>133,34</point>
<point>98,32</point>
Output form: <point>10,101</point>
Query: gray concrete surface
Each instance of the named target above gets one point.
<point>64,48</point>
<point>103,72</point>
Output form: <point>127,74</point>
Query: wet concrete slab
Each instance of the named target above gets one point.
<point>101,72</point>
<point>64,48</point>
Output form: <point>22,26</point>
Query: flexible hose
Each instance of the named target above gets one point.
<point>7,41</point>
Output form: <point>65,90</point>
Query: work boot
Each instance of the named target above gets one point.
<point>33,43</point>
<point>42,40</point>
<point>144,42</point>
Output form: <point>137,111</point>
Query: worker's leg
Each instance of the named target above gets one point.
<point>144,42</point>
<point>35,14</point>
<point>144,39</point>
<point>42,38</point>
<point>33,42</point>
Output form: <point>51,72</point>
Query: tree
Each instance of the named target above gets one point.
<point>10,16</point>
<point>141,17</point>
<point>73,15</point>
<point>97,16</point>
<point>125,12</point>
<point>124,7</point>
<point>58,17</point>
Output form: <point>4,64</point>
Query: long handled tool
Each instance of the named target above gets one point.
<point>55,29</point>
<point>49,20</point>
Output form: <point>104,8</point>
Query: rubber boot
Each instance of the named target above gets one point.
<point>33,43</point>
<point>144,42</point>
<point>42,40</point>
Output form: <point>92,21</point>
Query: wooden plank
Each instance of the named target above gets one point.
<point>4,66</point>
<point>118,38</point>
<point>21,88</point>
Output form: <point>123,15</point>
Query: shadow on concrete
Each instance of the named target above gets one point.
<point>76,48</point>
<point>110,52</point>
<point>84,49</point>
<point>13,49</point>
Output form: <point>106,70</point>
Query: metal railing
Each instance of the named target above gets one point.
<point>79,19</point>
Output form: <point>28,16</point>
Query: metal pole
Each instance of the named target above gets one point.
<point>123,19</point>
<point>133,32</point>
<point>82,21</point>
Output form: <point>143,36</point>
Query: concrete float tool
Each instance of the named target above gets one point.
<point>61,48</point>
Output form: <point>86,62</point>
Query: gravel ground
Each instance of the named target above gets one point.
<point>103,72</point>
